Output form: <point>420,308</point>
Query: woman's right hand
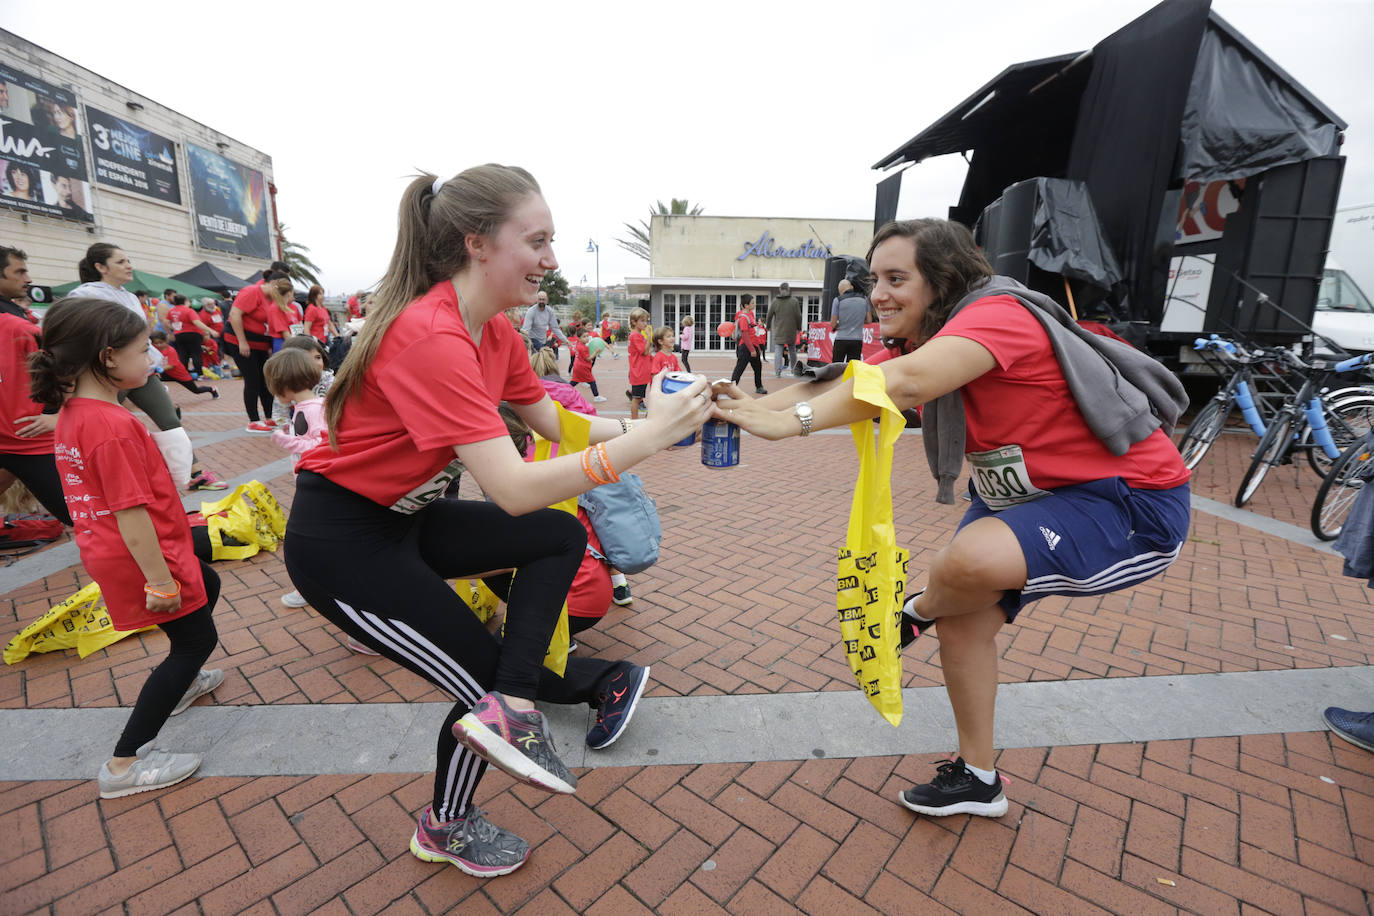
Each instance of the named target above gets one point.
<point>243,349</point>
<point>163,605</point>
<point>676,416</point>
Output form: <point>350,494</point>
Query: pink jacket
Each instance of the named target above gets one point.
<point>309,413</point>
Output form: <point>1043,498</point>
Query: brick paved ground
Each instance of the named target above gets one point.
<point>740,603</point>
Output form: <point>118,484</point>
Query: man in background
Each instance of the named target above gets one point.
<point>784,323</point>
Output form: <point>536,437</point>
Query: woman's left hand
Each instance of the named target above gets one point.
<point>734,406</point>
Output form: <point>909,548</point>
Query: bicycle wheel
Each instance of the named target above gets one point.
<point>1338,491</point>
<point>1269,453</point>
<point>1203,431</point>
<point>1349,416</point>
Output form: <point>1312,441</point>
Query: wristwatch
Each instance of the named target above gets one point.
<point>804,414</point>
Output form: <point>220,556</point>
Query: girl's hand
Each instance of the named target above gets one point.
<point>676,416</point>
<point>162,605</point>
<point>734,406</point>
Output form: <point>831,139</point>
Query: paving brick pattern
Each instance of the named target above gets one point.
<point>740,603</point>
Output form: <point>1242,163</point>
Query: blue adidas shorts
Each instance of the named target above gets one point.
<point>1091,538</point>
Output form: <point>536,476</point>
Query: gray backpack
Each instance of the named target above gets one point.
<point>625,520</point>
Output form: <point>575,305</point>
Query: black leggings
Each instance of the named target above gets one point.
<point>39,474</point>
<point>380,576</point>
<point>845,350</point>
<point>254,385</point>
<point>188,347</point>
<point>193,638</point>
<point>742,359</point>
<point>686,360</point>
<point>192,386</point>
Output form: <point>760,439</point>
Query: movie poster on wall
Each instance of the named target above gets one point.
<point>231,204</point>
<point>130,158</point>
<point>42,154</point>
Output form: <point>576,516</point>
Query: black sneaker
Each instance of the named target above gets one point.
<point>621,595</point>
<point>616,702</point>
<point>911,627</point>
<point>955,790</point>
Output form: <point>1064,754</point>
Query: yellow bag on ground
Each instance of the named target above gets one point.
<point>251,515</point>
<point>80,621</point>
<point>872,571</point>
<point>481,599</point>
<point>575,433</point>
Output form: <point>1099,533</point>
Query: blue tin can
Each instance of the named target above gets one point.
<point>719,444</point>
<point>676,381</point>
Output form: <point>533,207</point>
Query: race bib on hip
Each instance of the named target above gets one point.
<point>1001,479</point>
<point>428,491</point>
<point>296,329</point>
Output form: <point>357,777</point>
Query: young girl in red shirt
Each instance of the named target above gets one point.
<point>638,346</point>
<point>129,523</point>
<point>174,370</point>
<point>663,357</point>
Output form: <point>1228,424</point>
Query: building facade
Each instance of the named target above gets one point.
<point>701,265</point>
<point>84,160</point>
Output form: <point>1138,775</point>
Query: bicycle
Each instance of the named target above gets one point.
<point>1302,421</point>
<point>1342,484</point>
<point>1220,353</point>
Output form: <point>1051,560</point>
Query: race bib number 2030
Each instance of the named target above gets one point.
<point>1001,479</point>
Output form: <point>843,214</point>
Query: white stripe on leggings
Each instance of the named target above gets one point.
<point>460,782</point>
<point>1118,575</point>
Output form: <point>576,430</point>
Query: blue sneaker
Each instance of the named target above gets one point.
<point>616,702</point>
<point>1355,727</point>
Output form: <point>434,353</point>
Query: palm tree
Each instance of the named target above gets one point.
<point>640,236</point>
<point>297,256</point>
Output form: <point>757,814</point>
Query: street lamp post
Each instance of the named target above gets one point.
<point>593,246</point>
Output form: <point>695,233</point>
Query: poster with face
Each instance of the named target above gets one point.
<point>231,204</point>
<point>133,159</point>
<point>42,152</point>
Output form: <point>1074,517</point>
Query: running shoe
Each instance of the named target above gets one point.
<point>471,842</point>
<point>616,702</point>
<point>760,391</point>
<point>260,426</point>
<point>206,480</point>
<point>360,648</point>
<point>294,599</point>
<point>1355,727</point>
<point>909,625</point>
<point>214,393</point>
<point>156,770</point>
<point>516,742</point>
<point>207,679</point>
<point>956,790</point>
<point>599,398</point>
<point>621,595</point>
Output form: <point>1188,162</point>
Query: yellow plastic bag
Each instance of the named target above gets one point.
<point>250,515</point>
<point>575,433</point>
<point>871,578</point>
<point>481,599</point>
<point>80,621</point>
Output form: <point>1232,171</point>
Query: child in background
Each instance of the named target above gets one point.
<point>210,366</point>
<point>291,375</point>
<point>320,354</point>
<point>187,331</point>
<point>173,370</point>
<point>582,363</point>
<point>663,357</point>
<point>131,528</point>
<point>638,348</point>
<point>687,342</point>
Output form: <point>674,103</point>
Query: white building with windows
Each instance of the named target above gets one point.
<point>700,266</point>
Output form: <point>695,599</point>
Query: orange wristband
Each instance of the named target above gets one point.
<point>587,468</point>
<point>148,589</point>
<point>611,475</point>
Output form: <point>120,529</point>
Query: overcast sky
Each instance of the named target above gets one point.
<point>748,108</point>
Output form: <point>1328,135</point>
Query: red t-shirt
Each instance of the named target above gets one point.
<point>428,389</point>
<point>316,321</point>
<point>180,320</point>
<point>173,368</point>
<point>279,323</point>
<point>108,462</point>
<point>606,332</point>
<point>18,339</point>
<point>582,364</point>
<point>354,309</point>
<point>252,302</point>
<point>661,360</point>
<point>639,359</point>
<point>211,317</point>
<point>750,333</point>
<point>1025,401</point>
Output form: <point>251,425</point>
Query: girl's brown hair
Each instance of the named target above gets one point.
<point>315,295</point>
<point>431,245</point>
<point>76,334</point>
<point>543,362</point>
<point>290,370</point>
<point>661,333</point>
<point>946,256</point>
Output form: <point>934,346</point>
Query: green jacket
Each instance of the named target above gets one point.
<point>784,319</point>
